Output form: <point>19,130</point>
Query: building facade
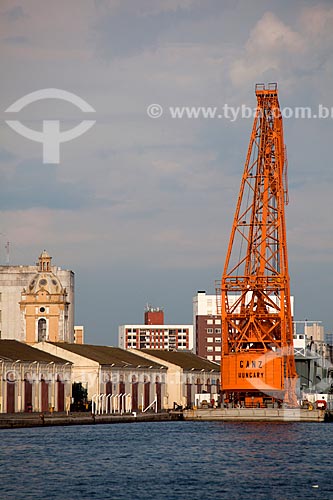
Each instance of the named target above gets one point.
<point>154,334</point>
<point>207,327</point>
<point>37,302</point>
<point>79,334</point>
<point>187,377</point>
<point>110,374</point>
<point>170,337</point>
<point>31,380</point>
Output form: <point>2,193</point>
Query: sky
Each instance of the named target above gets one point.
<point>141,208</point>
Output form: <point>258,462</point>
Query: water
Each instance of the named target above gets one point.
<point>168,460</point>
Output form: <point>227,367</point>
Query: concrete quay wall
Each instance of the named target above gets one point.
<point>44,420</point>
<point>256,415</point>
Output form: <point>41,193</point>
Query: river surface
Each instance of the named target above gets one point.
<point>168,460</point>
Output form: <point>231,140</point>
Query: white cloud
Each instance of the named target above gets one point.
<point>162,192</point>
<point>268,48</point>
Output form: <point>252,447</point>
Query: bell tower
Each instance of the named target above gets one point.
<point>44,262</point>
<point>44,306</point>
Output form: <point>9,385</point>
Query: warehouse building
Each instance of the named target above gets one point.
<point>111,373</point>
<point>32,380</point>
<point>187,376</point>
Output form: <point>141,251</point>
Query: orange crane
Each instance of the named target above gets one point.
<point>257,361</point>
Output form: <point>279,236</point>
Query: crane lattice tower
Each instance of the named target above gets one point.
<point>257,359</point>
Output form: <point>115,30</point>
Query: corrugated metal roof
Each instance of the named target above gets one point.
<point>186,360</point>
<point>14,350</point>
<point>107,355</point>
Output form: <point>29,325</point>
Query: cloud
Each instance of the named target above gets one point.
<point>136,199</point>
<point>270,47</point>
<point>14,14</point>
<point>6,156</point>
<point>277,51</point>
<point>16,40</point>
<point>31,184</point>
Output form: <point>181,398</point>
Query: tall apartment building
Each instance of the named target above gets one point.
<point>37,302</point>
<point>154,334</point>
<point>207,329</point>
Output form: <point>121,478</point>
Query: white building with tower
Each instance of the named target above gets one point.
<point>37,302</point>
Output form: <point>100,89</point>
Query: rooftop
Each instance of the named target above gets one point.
<point>107,355</point>
<point>13,350</point>
<point>186,360</point>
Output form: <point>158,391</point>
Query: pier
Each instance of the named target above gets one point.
<point>256,415</point>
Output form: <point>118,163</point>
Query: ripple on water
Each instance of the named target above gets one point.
<point>168,460</point>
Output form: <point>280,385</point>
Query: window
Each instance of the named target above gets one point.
<point>41,330</point>
<point>217,358</point>
<point>217,330</point>
<point>218,349</point>
<point>218,339</point>
<point>210,358</point>
<point>217,322</point>
<point>209,330</point>
<point>209,339</point>
<point>210,348</point>
<point>209,321</point>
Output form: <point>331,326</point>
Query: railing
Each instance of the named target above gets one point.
<point>154,403</point>
<point>107,404</point>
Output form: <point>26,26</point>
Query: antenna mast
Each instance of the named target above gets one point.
<point>7,253</point>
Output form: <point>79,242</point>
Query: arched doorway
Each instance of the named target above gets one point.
<point>135,393</point>
<point>146,393</point>
<point>27,393</point>
<point>158,389</point>
<point>108,392</point>
<point>61,394</point>
<point>11,383</point>
<point>188,393</point>
<point>121,392</point>
<point>45,395</point>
